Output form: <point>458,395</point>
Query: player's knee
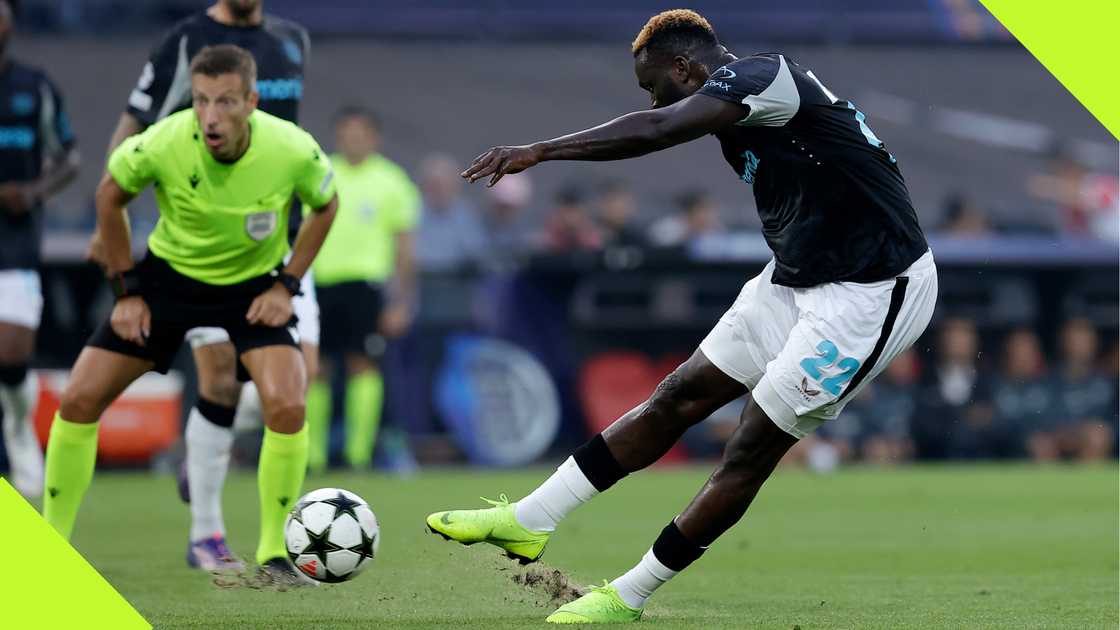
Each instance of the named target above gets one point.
<point>671,401</point>
<point>286,418</point>
<point>283,410</point>
<point>81,403</point>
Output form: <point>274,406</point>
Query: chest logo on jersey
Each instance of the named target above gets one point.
<point>22,103</point>
<point>750,166</point>
<point>260,225</point>
<point>19,137</point>
<point>280,89</point>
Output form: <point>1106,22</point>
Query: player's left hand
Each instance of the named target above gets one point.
<point>394,321</point>
<point>501,161</point>
<point>16,198</point>
<point>271,308</point>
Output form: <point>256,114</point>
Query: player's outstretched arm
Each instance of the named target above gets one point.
<point>628,136</point>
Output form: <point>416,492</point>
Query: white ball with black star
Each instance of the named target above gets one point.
<point>331,535</point>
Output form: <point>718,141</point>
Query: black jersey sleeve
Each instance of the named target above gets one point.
<point>164,83</point>
<point>54,123</point>
<point>762,83</point>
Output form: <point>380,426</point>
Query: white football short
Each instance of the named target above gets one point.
<point>21,298</point>
<point>305,306</point>
<point>805,352</point>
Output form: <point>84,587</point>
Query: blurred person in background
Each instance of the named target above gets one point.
<point>1086,201</point>
<point>1022,392</point>
<point>617,210</point>
<point>964,218</point>
<point>279,48</point>
<point>569,227</point>
<point>954,418</point>
<point>450,235</point>
<point>366,280</point>
<point>1080,425</point>
<point>507,204</point>
<point>38,158</point>
<point>888,407</point>
<point>697,215</point>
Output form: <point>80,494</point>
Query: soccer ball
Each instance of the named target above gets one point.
<point>331,535</point>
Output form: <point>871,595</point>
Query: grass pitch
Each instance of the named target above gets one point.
<point>919,547</point>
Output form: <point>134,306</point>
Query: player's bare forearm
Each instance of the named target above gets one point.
<point>629,136</point>
<point>116,247</point>
<point>127,125</point>
<point>57,174</point>
<point>310,238</point>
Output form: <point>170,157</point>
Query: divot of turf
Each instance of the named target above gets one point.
<point>551,587</point>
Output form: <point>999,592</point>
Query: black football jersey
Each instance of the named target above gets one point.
<point>279,47</point>
<point>33,127</point>
<point>832,200</point>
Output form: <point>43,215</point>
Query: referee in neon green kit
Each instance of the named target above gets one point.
<point>224,174</point>
<point>365,280</point>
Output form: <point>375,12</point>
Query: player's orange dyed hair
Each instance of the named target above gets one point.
<point>678,26</point>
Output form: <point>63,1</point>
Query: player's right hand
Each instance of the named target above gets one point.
<point>132,320</point>
<point>15,198</point>
<point>271,308</point>
<point>501,161</point>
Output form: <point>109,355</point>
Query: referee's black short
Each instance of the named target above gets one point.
<point>348,314</point>
<point>179,303</point>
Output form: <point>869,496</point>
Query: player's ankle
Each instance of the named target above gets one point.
<point>671,553</point>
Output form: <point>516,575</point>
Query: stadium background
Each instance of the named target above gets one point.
<point>980,128</point>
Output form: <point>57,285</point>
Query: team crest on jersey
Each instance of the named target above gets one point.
<point>292,50</point>
<point>260,225</point>
<point>22,103</point>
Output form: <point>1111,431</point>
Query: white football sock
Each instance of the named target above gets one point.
<point>249,416</point>
<point>636,585</point>
<point>24,455</point>
<point>567,489</point>
<point>208,449</point>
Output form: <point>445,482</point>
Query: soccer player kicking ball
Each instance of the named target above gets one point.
<point>852,284</point>
<point>224,175</point>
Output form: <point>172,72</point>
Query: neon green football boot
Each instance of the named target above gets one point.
<point>495,525</point>
<point>601,605</point>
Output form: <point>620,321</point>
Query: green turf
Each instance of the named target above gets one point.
<point>922,547</point>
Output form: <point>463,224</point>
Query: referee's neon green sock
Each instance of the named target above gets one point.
<point>71,455</point>
<point>279,478</point>
<point>318,425</point>
<point>364,394</point>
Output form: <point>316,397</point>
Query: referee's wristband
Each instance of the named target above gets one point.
<point>125,284</point>
<point>290,283</point>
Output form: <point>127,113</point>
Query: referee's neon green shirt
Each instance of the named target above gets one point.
<point>223,223</point>
<point>377,201</point>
